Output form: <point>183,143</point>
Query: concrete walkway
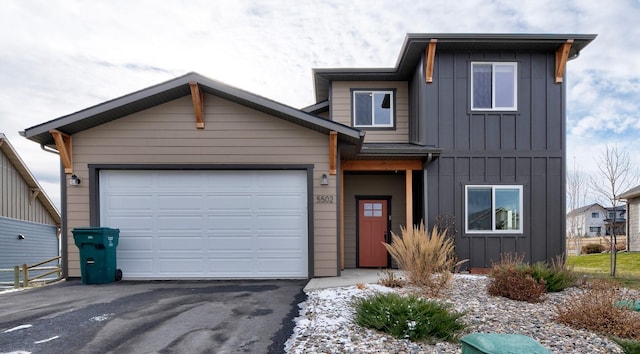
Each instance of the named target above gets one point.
<point>348,277</point>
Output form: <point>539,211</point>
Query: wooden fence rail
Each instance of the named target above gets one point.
<point>25,269</point>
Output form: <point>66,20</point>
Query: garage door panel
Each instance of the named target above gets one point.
<point>228,203</point>
<point>180,243</point>
<point>128,202</point>
<point>229,243</point>
<point>280,243</point>
<point>178,203</point>
<point>131,222</point>
<point>208,224</point>
<point>179,223</point>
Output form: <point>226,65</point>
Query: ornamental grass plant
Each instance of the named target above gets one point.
<point>428,260</point>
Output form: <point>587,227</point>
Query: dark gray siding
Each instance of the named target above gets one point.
<point>525,148</point>
<point>40,243</point>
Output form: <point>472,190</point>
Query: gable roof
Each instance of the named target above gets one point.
<point>631,193</point>
<point>584,208</point>
<point>176,88</point>
<point>8,150</point>
<point>415,45</point>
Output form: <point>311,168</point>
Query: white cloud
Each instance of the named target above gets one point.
<point>67,55</point>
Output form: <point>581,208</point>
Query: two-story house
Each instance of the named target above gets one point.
<point>596,220</point>
<point>205,180</point>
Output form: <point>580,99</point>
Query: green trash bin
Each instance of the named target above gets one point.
<point>97,254</point>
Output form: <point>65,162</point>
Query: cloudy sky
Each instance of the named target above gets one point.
<point>58,57</point>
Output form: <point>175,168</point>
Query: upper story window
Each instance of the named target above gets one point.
<point>494,86</point>
<point>493,209</point>
<point>595,215</point>
<point>373,108</point>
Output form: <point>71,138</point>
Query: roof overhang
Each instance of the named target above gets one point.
<point>405,151</point>
<point>415,45</point>
<point>631,193</point>
<point>171,90</point>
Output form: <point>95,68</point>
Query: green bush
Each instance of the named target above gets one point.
<point>556,276</point>
<point>628,346</point>
<point>409,317</point>
<point>592,248</point>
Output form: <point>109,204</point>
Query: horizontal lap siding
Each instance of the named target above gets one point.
<point>40,243</point>
<point>341,109</point>
<point>233,134</point>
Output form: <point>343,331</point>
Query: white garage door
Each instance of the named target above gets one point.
<point>207,224</point>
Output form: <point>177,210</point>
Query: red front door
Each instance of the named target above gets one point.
<point>372,231</point>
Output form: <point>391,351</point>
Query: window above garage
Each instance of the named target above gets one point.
<point>373,108</point>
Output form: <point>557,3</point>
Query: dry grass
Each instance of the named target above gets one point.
<point>596,311</point>
<point>390,279</point>
<point>513,279</point>
<point>427,260</point>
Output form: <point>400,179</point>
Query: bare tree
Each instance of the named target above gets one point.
<point>577,193</point>
<point>615,175</point>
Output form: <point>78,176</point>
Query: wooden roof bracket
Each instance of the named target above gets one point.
<point>64,146</point>
<point>430,56</point>
<point>333,152</point>
<point>197,97</point>
<point>562,54</point>
<point>34,194</point>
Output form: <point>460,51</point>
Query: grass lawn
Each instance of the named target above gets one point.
<point>597,264</point>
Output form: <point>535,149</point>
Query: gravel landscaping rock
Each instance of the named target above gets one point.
<point>326,322</point>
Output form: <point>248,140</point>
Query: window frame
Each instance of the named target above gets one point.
<point>494,187</point>
<point>493,107</point>
<point>595,215</point>
<point>392,120</point>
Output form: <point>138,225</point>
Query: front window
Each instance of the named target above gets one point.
<point>493,209</point>
<point>494,86</point>
<point>595,215</point>
<point>594,229</point>
<point>373,109</point>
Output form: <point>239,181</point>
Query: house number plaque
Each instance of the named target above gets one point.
<point>324,199</point>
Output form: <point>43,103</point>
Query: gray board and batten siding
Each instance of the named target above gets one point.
<point>524,147</point>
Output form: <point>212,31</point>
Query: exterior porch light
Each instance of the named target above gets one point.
<point>325,180</point>
<point>74,180</point>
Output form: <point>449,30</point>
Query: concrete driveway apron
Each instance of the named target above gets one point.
<point>151,317</point>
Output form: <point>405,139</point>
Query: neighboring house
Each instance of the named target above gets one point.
<point>587,221</point>
<point>632,198</point>
<point>29,222</point>
<point>620,220</point>
<point>209,181</point>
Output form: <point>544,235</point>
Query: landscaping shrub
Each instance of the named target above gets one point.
<point>592,248</point>
<point>513,279</point>
<point>596,311</point>
<point>427,260</point>
<point>389,279</point>
<point>409,317</point>
<point>557,276</point>
<point>628,346</point>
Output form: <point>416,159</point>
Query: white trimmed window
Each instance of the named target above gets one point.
<point>373,109</point>
<point>493,209</point>
<point>494,86</point>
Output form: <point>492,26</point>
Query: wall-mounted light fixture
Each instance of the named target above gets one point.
<point>325,180</point>
<point>74,180</point>
<point>20,237</point>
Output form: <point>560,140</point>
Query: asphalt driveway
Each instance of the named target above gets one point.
<point>151,317</point>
